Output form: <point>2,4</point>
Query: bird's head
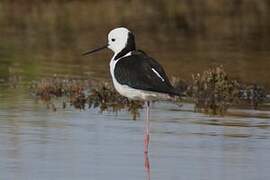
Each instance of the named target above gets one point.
<point>119,39</point>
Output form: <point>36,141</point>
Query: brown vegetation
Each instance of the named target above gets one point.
<point>81,93</point>
<point>212,92</point>
<point>244,21</point>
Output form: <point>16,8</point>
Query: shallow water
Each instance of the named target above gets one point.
<point>47,39</point>
<point>37,143</point>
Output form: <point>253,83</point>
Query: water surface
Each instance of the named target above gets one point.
<point>37,143</point>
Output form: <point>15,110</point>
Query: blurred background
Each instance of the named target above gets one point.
<point>43,38</point>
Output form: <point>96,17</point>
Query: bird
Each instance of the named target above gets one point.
<point>136,75</point>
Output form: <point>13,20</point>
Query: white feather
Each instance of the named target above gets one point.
<point>158,74</point>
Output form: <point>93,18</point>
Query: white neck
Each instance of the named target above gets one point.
<point>112,66</point>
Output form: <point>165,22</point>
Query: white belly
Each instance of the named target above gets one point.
<point>135,94</point>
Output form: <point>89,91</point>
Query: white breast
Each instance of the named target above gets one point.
<point>131,93</point>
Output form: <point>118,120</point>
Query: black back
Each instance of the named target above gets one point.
<point>136,71</point>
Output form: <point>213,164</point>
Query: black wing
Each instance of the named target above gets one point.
<point>140,71</point>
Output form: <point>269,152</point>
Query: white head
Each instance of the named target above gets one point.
<point>117,39</point>
<point>120,41</point>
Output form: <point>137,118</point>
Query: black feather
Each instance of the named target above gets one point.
<point>136,72</point>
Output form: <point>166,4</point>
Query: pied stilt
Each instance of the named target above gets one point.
<point>136,75</point>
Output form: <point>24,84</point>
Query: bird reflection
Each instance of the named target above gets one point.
<point>147,166</point>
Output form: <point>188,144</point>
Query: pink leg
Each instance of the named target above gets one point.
<point>147,166</point>
<point>147,128</point>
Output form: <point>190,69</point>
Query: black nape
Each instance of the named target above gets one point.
<point>130,46</point>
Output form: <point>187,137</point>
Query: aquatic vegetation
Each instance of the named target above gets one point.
<point>106,98</point>
<point>253,94</point>
<point>84,92</point>
<point>49,88</point>
<point>212,92</point>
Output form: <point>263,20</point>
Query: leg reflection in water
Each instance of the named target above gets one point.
<point>147,166</point>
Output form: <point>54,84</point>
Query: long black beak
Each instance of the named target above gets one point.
<point>95,50</point>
